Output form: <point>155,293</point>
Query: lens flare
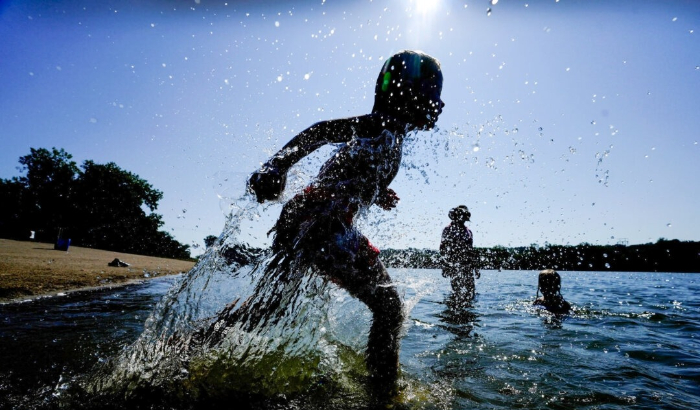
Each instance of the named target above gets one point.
<point>426,6</point>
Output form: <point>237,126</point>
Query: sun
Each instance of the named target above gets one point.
<point>426,6</point>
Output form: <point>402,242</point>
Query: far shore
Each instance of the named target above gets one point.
<point>34,269</point>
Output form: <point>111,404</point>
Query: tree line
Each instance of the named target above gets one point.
<point>95,205</point>
<point>105,207</point>
<point>662,256</point>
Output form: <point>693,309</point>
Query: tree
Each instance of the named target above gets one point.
<point>102,206</point>
<point>46,203</point>
<point>12,199</point>
<point>112,205</point>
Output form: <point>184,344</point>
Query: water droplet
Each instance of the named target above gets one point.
<point>475,148</point>
<point>494,2</point>
<point>277,23</point>
<point>668,224</point>
<point>279,78</point>
<point>488,11</point>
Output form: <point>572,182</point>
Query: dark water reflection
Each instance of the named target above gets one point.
<point>46,341</point>
<point>632,341</point>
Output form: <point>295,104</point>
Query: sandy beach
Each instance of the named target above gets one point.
<point>34,269</point>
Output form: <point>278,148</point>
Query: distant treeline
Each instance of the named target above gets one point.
<point>95,205</point>
<point>662,256</point>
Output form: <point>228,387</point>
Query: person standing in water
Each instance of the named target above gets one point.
<point>549,282</point>
<point>458,255</point>
<point>316,227</point>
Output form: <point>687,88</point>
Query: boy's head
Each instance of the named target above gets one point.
<point>549,282</point>
<point>409,87</point>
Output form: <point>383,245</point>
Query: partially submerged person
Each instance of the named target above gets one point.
<point>316,227</point>
<point>458,255</point>
<point>549,283</point>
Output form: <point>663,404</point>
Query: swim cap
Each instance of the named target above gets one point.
<point>401,72</point>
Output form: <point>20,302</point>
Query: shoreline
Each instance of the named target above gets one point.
<point>67,292</point>
<point>31,270</point>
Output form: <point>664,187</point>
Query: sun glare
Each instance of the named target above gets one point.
<point>426,6</point>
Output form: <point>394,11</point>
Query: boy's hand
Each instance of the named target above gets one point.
<point>388,201</point>
<point>267,184</point>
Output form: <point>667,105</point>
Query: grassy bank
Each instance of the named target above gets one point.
<point>31,269</point>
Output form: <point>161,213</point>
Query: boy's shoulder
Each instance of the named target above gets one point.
<point>367,125</point>
<point>366,121</point>
<point>374,119</point>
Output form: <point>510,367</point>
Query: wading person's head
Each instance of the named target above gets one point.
<point>408,89</point>
<point>460,214</point>
<point>549,283</point>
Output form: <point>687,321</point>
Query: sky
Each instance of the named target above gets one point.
<point>565,121</point>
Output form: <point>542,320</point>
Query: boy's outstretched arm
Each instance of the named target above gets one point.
<point>269,181</point>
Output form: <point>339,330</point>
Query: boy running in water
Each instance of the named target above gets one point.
<point>316,227</point>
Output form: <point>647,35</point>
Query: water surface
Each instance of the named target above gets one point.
<point>632,342</point>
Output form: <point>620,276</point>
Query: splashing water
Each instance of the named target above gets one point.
<point>208,342</point>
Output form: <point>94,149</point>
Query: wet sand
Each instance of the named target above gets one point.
<point>33,269</point>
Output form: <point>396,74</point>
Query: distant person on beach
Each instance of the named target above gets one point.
<point>459,259</point>
<point>549,283</point>
<point>316,227</point>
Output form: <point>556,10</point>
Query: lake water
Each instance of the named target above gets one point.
<point>631,342</point>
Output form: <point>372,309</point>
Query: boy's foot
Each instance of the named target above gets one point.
<point>385,393</point>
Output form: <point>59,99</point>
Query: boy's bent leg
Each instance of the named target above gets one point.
<point>383,342</point>
<point>371,284</point>
<point>355,267</point>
